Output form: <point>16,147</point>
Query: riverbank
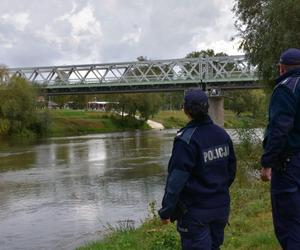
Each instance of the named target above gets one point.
<point>250,226</point>
<point>80,122</point>
<point>177,119</point>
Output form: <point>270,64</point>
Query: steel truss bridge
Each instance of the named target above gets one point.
<point>230,72</point>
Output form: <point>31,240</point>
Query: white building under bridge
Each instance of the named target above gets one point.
<point>101,106</point>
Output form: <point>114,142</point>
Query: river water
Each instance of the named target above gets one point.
<point>60,193</point>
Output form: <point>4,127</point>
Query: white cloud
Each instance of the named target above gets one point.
<point>84,24</point>
<point>18,20</point>
<point>77,35</point>
<point>49,35</point>
<point>6,43</point>
<point>132,37</point>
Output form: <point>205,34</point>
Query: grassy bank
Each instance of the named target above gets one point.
<point>77,122</point>
<point>171,118</point>
<point>177,119</point>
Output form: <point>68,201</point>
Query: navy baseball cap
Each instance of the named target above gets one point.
<point>195,96</point>
<point>290,57</point>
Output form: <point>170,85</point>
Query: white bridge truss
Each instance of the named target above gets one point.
<point>153,75</point>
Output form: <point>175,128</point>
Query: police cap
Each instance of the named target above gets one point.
<point>195,96</point>
<point>290,57</point>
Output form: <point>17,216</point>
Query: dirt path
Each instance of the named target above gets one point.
<point>155,125</point>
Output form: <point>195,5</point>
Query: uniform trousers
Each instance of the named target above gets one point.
<point>203,229</point>
<point>285,197</point>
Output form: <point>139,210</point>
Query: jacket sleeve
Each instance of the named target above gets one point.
<point>282,111</point>
<point>231,164</point>
<point>181,164</point>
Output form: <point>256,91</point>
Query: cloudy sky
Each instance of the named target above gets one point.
<point>62,32</point>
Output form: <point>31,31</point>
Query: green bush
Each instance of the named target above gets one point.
<point>4,126</point>
<point>128,122</point>
<point>40,123</point>
<point>18,109</point>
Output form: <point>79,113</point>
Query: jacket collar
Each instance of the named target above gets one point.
<point>288,74</point>
<point>194,123</point>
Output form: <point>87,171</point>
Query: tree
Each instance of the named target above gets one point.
<point>18,112</point>
<point>3,73</point>
<point>172,100</point>
<point>61,100</point>
<point>267,27</point>
<point>204,53</point>
<point>147,104</point>
<point>253,101</point>
<point>18,103</point>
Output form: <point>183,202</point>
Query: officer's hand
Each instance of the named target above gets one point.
<point>266,174</point>
<point>165,222</point>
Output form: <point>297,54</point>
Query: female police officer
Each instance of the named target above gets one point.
<point>200,172</point>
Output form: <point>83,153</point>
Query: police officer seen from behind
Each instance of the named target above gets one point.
<point>281,157</point>
<point>201,169</point>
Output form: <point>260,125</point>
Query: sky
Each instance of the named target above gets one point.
<point>67,32</point>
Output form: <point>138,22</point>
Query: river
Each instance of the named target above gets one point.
<point>61,193</point>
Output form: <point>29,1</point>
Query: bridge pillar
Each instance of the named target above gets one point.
<point>216,109</point>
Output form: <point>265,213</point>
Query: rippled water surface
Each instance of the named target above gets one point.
<point>62,192</point>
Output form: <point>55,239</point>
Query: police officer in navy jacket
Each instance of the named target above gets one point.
<point>281,157</point>
<point>201,169</point>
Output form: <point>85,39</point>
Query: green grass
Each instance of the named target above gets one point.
<point>251,220</point>
<point>74,122</point>
<point>177,119</point>
<point>171,119</point>
<point>151,235</point>
<point>245,120</point>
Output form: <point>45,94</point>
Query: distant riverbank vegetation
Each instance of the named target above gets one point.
<point>79,122</point>
<point>22,113</point>
<point>242,109</point>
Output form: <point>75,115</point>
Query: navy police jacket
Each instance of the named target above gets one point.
<point>201,168</point>
<point>282,136</point>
